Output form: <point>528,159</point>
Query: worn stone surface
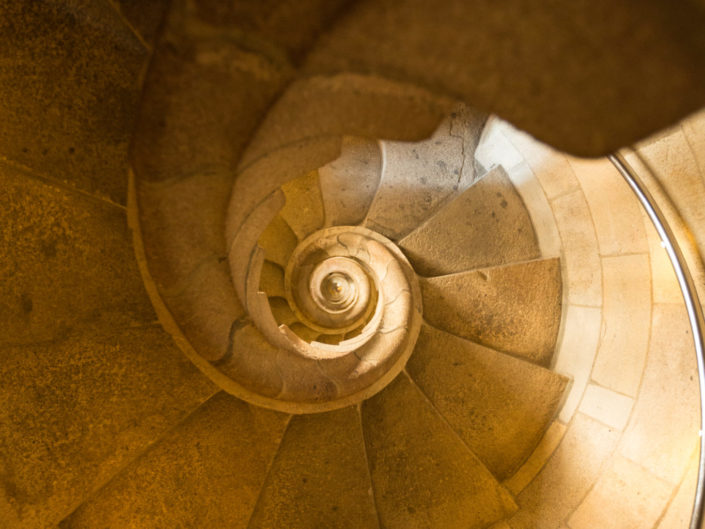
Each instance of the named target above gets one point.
<point>77,410</point>
<point>69,79</point>
<point>429,480</point>
<point>319,477</point>
<point>206,472</point>
<point>664,426</point>
<point>581,255</point>
<point>567,477</point>
<point>65,261</point>
<point>576,352</point>
<point>514,309</point>
<point>625,497</point>
<point>202,100</point>
<point>499,405</point>
<point>349,184</point>
<point>607,406</point>
<point>680,509</point>
<point>626,321</point>
<point>348,105</point>
<point>487,225</point>
<point>303,211</point>
<point>614,208</point>
<point>549,63</point>
<point>418,178</point>
<point>278,241</point>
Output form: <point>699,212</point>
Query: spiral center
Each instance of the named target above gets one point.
<point>337,289</point>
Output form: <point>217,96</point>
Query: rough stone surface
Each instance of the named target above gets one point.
<point>514,309</point>
<point>76,411</point>
<point>207,472</point>
<point>319,477</point>
<point>417,178</point>
<point>69,80</point>
<point>487,225</point>
<point>349,184</point>
<point>562,72</point>
<point>348,105</point>
<point>626,322</point>
<point>203,99</point>
<point>303,211</point>
<point>429,480</point>
<point>65,261</point>
<point>499,405</point>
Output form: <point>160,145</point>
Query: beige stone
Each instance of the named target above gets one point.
<point>550,166</point>
<point>499,405</point>
<point>561,485</point>
<point>65,261</point>
<point>348,105</point>
<point>540,212</point>
<point>303,211</point>
<point>694,131</point>
<point>664,284</point>
<point>538,458</point>
<point>625,497</point>
<point>664,426</point>
<point>77,410</point>
<point>495,148</point>
<point>417,179</point>
<point>319,477</point>
<point>606,406</point>
<point>487,225</point>
<point>581,261</point>
<point>278,241</point>
<point>613,206</point>
<point>70,91</point>
<point>514,309</point>
<point>626,315</point>
<point>672,155</point>
<point>575,352</point>
<point>429,480</point>
<point>348,184</point>
<point>680,509</point>
<point>191,479</point>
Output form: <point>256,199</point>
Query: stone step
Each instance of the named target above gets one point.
<point>515,309</point>
<point>303,210</point>
<point>418,178</point>
<point>487,225</point>
<point>499,405</point>
<point>349,184</point>
<point>319,477</point>
<point>423,475</point>
<point>207,472</point>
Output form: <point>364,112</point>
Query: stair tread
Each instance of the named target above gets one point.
<point>319,477</point>
<point>78,409</point>
<point>514,309</point>
<point>278,241</point>
<point>422,473</point>
<point>499,405</point>
<point>416,179</point>
<point>349,184</point>
<point>487,225</point>
<point>303,211</point>
<point>207,472</point>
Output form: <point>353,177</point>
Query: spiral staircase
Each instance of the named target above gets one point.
<point>368,305</point>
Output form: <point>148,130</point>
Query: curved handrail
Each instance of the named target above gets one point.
<point>692,303</point>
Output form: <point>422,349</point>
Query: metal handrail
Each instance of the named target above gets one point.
<point>692,303</point>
